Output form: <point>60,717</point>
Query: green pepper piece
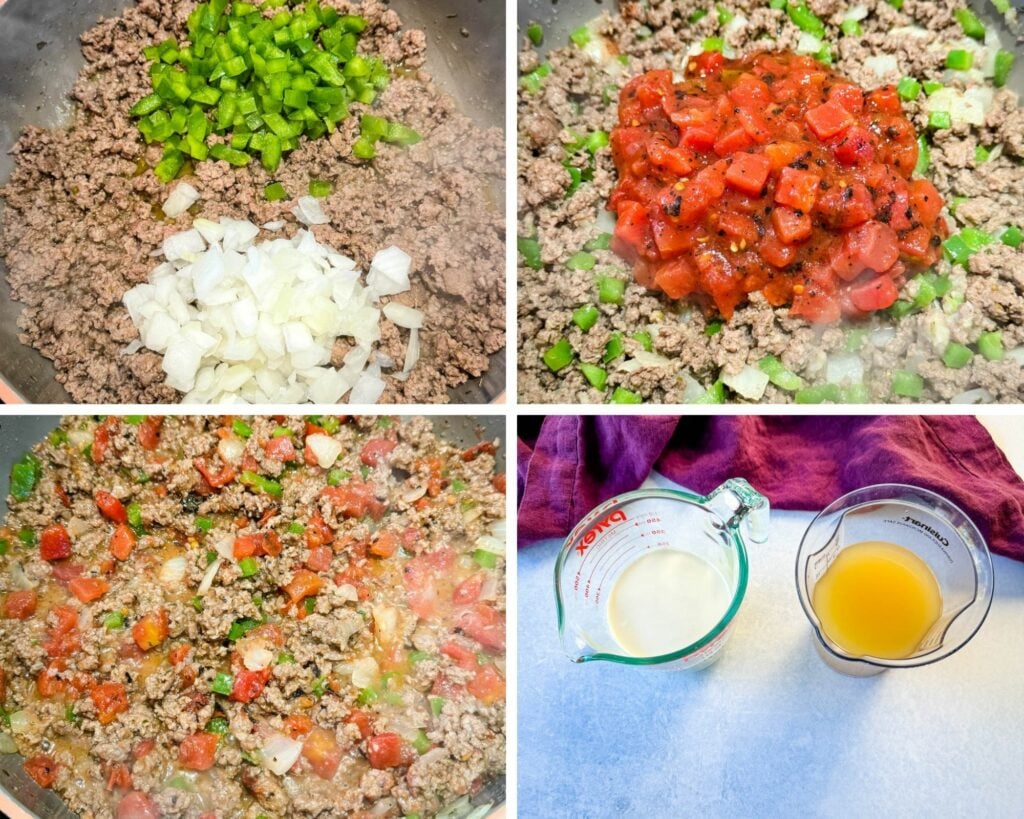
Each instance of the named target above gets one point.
<point>614,348</point>
<point>957,356</point>
<point>907,384</point>
<point>240,428</point>
<point>113,621</point>
<point>218,725</point>
<point>715,394</point>
<point>248,566</point>
<point>1003,67</point>
<point>25,475</point>
<point>581,261</point>
<point>990,345</point>
<point>319,188</point>
<point>908,89</point>
<point>818,394</point>
<point>275,192</point>
<point>585,317</point>
<point>436,705</point>
<point>1012,236</point>
<point>854,394</point>
<point>610,290</point>
<point>624,396</point>
<point>969,22</point>
<point>536,33</point>
<point>600,242</point>
<point>779,375</point>
<point>851,28</point>
<point>559,355</point>
<point>645,340</point>
<point>265,485</point>
<point>485,559</point>
<point>596,376</point>
<point>399,134</point>
<point>712,44</point>
<point>959,59</point>
<point>529,249</point>
<point>580,36</point>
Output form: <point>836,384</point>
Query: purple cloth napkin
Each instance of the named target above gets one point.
<point>806,462</point>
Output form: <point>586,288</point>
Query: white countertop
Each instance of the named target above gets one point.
<point>769,730</point>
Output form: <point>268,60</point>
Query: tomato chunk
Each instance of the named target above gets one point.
<point>303,584</point>
<point>54,543</point>
<point>354,500</point>
<point>196,752</point>
<point>43,769</point>
<point>389,751</point>
<point>791,225</point>
<point>748,172</point>
<point>151,630</point>
<point>874,295</point>
<point>322,752</point>
<point>122,542</point>
<point>88,589</point>
<point>375,450</point>
<point>110,507</point>
<point>280,449</point>
<point>487,685</point>
<point>110,699</point>
<point>485,625</point>
<point>827,120</point>
<point>137,805</point>
<point>361,719</point>
<point>797,189</point>
<point>248,685</point>
<point>20,605</point>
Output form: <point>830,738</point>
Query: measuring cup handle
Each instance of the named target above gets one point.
<point>737,501</point>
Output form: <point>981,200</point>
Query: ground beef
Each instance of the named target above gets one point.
<point>580,95</point>
<point>395,620</point>
<point>82,214</point>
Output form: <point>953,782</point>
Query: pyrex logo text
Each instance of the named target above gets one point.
<point>588,539</point>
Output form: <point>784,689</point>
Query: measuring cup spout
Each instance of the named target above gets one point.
<point>737,501</point>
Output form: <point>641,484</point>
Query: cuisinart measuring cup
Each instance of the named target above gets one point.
<point>625,528</point>
<point>927,524</point>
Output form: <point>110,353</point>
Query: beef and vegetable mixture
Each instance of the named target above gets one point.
<point>201,131</point>
<point>254,617</point>
<point>772,201</point>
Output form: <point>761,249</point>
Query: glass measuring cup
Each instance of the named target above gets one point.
<point>621,530</point>
<point>927,524</point>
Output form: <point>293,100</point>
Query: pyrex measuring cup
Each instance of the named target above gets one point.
<point>623,529</point>
<point>927,524</point>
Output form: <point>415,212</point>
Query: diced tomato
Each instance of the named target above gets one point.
<point>632,229</point>
<point>122,542</point>
<point>855,147</point>
<point>791,225</point>
<point>706,64</point>
<point>847,96</point>
<point>925,200</point>
<point>748,172</point>
<point>177,655</point>
<point>42,769</point>
<point>463,655</point>
<point>110,699</point>
<point>249,685</point>
<point>353,576</point>
<point>62,496</point>
<point>297,725</point>
<point>62,634</point>
<point>280,449</point>
<point>88,589</point>
<point>444,686</point>
<point>886,99</point>
<point>498,482</point>
<point>484,624</point>
<point>872,246</point>
<point>361,719</point>
<point>144,747</point>
<point>846,207</point>
<point>474,451</point>
<point>751,92</point>
<point>258,544</point>
<point>110,507</point>
<point>420,576</point>
<point>149,432</point>
<point>780,154</point>
<point>797,189</point>
<point>828,120</point>
<point>322,752</point>
<point>151,630</point>
<point>20,605</point>
<point>215,479</point>
<point>318,533</point>
<point>732,140</point>
<point>468,591</point>
<point>54,543</point>
<point>50,681</point>
<point>699,137</point>
<point>775,252</point>
<point>389,751</point>
<point>354,500</point>
<point>319,559</point>
<point>303,584</point>
<point>119,778</point>
<point>101,439</point>
<point>385,545</point>
<point>137,805</point>
<point>375,450</point>
<point>487,685</point>
<point>701,192</point>
<point>196,752</point>
<point>66,571</point>
<point>876,294</point>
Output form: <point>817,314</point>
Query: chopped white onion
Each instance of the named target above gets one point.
<point>641,360</point>
<point>499,529</point>
<point>414,494</point>
<point>244,321</point>
<point>491,544</point>
<point>882,65</point>
<point>324,448</point>
<point>364,672</point>
<point>256,656</point>
<point>1016,354</point>
<point>172,572</point>
<point>225,547</point>
<point>404,316</point>
<point>231,450</point>
<point>975,396</point>
<point>309,212</point>
<point>23,722</point>
<point>181,199</point>
<point>211,573</point>
<point>19,579</point>
<point>808,44</point>
<point>279,753</point>
<point>7,744</point>
<point>856,13</point>
<point>750,382</point>
<point>385,624</point>
<point>844,368</point>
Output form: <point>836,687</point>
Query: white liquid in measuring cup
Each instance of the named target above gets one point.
<point>665,601</point>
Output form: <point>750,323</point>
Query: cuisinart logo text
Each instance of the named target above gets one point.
<point>588,539</point>
<point>922,525</point>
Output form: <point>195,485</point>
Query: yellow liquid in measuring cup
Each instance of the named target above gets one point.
<point>877,599</point>
<point>665,601</point>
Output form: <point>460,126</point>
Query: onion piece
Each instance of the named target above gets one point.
<point>231,450</point>
<point>365,672</point>
<point>325,448</point>
<point>389,271</point>
<point>181,199</point>
<point>172,572</point>
<point>750,382</point>
<point>7,744</point>
<point>844,368</point>
<point>256,656</point>
<point>211,573</point>
<point>308,211</point>
<point>976,396</point>
<point>404,316</point>
<point>491,544</point>
<point>225,547</point>
<point>279,753</point>
<point>24,722</point>
<point>414,494</point>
